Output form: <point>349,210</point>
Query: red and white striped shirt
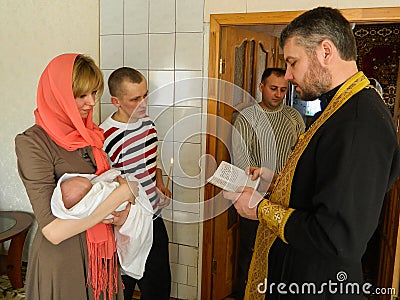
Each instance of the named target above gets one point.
<point>132,149</point>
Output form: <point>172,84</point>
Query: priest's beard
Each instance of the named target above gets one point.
<point>317,81</point>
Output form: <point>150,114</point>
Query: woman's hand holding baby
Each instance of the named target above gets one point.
<point>130,188</point>
<point>127,191</point>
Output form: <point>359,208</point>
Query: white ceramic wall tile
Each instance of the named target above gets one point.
<point>189,15</point>
<point>136,16</point>
<point>145,73</point>
<point>178,273</point>
<point>161,51</point>
<point>186,197</point>
<point>204,125</point>
<point>174,289</point>
<point>206,46</point>
<point>168,226</point>
<point>173,253</point>
<point>223,7</point>
<point>167,214</point>
<point>188,255</point>
<point>184,217</point>
<point>189,51</point>
<point>187,185</point>
<point>105,98</point>
<point>188,88</point>
<point>96,113</point>
<point>111,17</point>
<point>162,16</point>
<point>106,110</point>
<point>187,292</point>
<point>192,276</point>
<point>166,152</point>
<point>163,117</point>
<point>136,51</point>
<point>191,182</point>
<point>186,234</point>
<point>161,88</point>
<point>111,51</point>
<point>187,124</point>
<point>186,160</point>
<point>183,207</point>
<point>204,158</point>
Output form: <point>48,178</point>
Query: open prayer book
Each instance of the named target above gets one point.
<point>231,178</point>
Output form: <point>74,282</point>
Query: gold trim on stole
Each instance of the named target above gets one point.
<point>274,212</point>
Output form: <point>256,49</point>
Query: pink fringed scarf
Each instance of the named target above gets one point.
<point>58,115</point>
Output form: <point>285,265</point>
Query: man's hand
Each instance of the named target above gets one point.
<point>245,202</point>
<point>119,216</point>
<point>266,175</point>
<point>165,195</point>
<point>133,188</point>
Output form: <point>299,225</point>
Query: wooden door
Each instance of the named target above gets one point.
<point>244,56</point>
<point>388,275</point>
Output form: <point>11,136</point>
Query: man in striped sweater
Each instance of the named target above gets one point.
<point>264,137</point>
<point>131,145</point>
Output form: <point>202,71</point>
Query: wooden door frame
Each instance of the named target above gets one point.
<point>354,15</point>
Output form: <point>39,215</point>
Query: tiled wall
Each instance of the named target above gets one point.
<point>164,40</point>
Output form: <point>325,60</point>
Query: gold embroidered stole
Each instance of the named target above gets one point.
<point>281,193</point>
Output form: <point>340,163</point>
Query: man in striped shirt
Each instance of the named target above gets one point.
<point>131,145</point>
<point>264,136</point>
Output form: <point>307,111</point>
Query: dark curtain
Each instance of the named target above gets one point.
<point>378,48</point>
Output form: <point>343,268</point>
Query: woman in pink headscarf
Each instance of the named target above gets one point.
<point>69,259</point>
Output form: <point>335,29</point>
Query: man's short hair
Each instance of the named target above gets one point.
<point>318,24</point>
<point>277,71</point>
<point>120,75</point>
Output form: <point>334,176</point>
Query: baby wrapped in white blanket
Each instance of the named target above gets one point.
<point>77,195</point>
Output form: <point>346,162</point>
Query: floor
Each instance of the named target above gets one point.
<point>8,293</point>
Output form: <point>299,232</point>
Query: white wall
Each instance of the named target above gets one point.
<point>31,34</point>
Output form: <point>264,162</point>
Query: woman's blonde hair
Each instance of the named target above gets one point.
<point>86,77</point>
